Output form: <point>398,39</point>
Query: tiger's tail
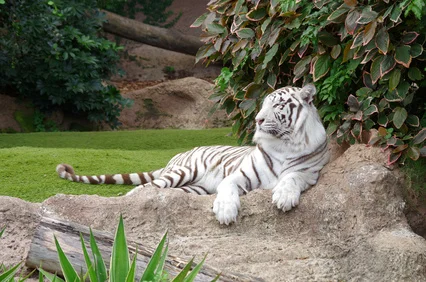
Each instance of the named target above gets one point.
<point>66,171</point>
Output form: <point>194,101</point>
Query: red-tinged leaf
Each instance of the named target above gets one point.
<point>375,69</point>
<point>391,141</point>
<point>382,40</point>
<point>236,61</point>
<point>374,140</point>
<point>371,110</point>
<point>423,152</point>
<point>302,50</point>
<point>369,31</point>
<point>353,103</point>
<point>256,15</point>
<point>321,67</point>
<point>358,116</point>
<point>215,28</point>
<point>359,38</point>
<point>327,38</point>
<point>270,55</point>
<point>302,66</point>
<point>420,137</point>
<point>338,13</point>
<point>272,80</point>
<point>413,121</point>
<point>253,91</point>
<point>245,33</point>
<point>382,120</point>
<point>395,14</point>
<point>382,131</point>
<point>367,15</point>
<point>369,56</point>
<point>392,96</point>
<point>393,158</point>
<point>366,78</point>
<point>348,53</point>
<point>416,50</point>
<point>332,127</point>
<point>351,21</point>
<point>403,56</point>
<point>400,148</point>
<point>199,21</point>
<point>363,92</point>
<point>415,74</point>
<point>351,3</point>
<point>409,37</point>
<point>394,78</point>
<point>335,51</point>
<point>402,89</point>
<point>356,130</point>
<point>413,153</point>
<point>387,64</point>
<point>399,117</point>
<point>241,44</point>
<point>360,52</point>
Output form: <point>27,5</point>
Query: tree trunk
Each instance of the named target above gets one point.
<point>43,251</point>
<point>151,35</point>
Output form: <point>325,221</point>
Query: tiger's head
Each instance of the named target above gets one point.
<point>289,117</point>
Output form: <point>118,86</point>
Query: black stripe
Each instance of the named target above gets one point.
<point>248,179</point>
<point>255,170</point>
<point>267,160</point>
<point>168,177</point>
<point>242,189</point>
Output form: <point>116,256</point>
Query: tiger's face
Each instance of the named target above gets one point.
<point>282,112</point>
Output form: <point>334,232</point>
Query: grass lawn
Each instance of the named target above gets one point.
<point>28,160</point>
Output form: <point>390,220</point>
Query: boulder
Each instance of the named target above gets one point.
<point>349,227</point>
<point>181,103</point>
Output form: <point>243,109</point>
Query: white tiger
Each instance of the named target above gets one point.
<point>290,152</point>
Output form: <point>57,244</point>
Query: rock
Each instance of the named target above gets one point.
<point>181,103</point>
<point>349,227</point>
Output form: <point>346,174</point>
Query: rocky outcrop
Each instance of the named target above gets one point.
<point>181,103</point>
<point>349,227</point>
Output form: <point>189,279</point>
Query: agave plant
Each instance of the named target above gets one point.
<point>121,269</point>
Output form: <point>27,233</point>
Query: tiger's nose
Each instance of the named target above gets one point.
<point>260,121</point>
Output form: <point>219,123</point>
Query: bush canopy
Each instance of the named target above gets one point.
<point>366,59</point>
<point>51,53</point>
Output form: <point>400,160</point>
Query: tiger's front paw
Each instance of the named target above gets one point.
<point>226,208</point>
<point>285,198</point>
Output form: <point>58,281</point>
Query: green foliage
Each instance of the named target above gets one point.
<point>155,11</point>
<point>50,52</point>
<point>367,54</point>
<point>122,269</point>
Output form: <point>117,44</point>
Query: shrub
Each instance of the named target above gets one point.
<point>366,58</point>
<point>50,52</point>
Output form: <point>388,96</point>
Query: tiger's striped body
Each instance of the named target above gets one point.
<point>291,150</point>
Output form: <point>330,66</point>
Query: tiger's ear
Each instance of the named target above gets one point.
<point>308,92</point>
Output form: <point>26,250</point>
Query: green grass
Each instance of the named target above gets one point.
<point>28,161</point>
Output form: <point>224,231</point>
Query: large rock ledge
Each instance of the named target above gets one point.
<point>349,227</point>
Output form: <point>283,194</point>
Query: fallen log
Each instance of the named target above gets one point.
<point>43,252</point>
<point>152,35</point>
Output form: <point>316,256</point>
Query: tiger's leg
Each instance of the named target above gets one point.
<point>286,193</point>
<point>227,201</point>
<point>175,178</point>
